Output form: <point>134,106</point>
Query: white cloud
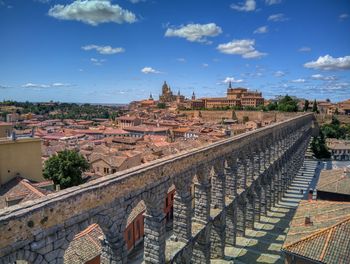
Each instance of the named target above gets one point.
<point>277,17</point>
<point>4,86</point>
<point>195,32</point>
<point>97,62</point>
<point>298,80</point>
<point>59,84</point>
<point>106,50</point>
<point>247,6</point>
<point>39,85</point>
<point>322,77</point>
<point>205,65</point>
<point>343,16</point>
<point>35,85</point>
<point>147,70</point>
<point>181,59</point>
<point>279,73</point>
<point>273,2</point>
<point>327,62</point>
<point>243,47</point>
<point>304,49</point>
<point>92,12</point>
<point>261,30</point>
<point>232,80</point>
<point>137,1</point>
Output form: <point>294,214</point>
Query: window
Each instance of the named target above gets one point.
<point>114,170</point>
<point>97,168</point>
<point>166,202</point>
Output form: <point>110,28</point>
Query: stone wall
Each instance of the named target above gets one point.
<point>217,116</point>
<point>259,162</point>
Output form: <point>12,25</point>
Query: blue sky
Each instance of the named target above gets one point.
<point>117,51</point>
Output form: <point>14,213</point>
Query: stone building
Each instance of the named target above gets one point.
<point>5,129</point>
<point>340,149</point>
<point>240,97</point>
<point>20,157</point>
<point>128,121</point>
<point>167,95</point>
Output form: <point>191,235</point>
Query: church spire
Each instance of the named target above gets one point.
<point>230,85</point>
<point>150,96</point>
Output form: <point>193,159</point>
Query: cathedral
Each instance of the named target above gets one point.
<point>167,95</point>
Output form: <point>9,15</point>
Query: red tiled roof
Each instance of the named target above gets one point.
<point>329,245</point>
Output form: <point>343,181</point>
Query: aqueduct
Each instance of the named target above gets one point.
<point>236,181</point>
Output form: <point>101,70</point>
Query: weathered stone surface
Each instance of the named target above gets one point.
<point>252,169</point>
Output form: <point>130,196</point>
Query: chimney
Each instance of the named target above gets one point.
<point>308,221</point>
<point>346,172</point>
<point>309,195</point>
<point>58,187</point>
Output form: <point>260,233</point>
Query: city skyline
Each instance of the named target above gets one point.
<point>120,51</point>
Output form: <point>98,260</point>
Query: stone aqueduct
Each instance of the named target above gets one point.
<point>236,180</point>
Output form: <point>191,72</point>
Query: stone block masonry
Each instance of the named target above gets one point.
<point>40,231</point>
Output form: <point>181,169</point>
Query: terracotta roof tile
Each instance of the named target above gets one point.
<point>329,245</point>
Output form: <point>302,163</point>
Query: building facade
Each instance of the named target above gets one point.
<point>240,97</point>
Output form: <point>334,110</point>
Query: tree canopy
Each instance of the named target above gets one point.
<point>287,104</point>
<point>66,168</point>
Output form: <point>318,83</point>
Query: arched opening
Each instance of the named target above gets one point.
<point>134,228</point>
<point>134,233</point>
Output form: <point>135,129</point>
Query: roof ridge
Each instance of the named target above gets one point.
<point>32,188</point>
<point>85,231</point>
<point>313,235</point>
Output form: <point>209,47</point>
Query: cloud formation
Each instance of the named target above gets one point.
<point>97,62</point>
<point>343,16</point>
<point>105,50</point>
<point>232,80</point>
<point>304,49</point>
<point>327,62</point>
<point>40,85</point>
<point>247,6</point>
<point>92,12</point>
<point>148,70</point>
<point>277,18</point>
<point>243,47</point>
<point>323,78</point>
<point>273,2</point>
<point>261,30</point>
<point>300,80</point>
<point>279,74</point>
<point>195,32</point>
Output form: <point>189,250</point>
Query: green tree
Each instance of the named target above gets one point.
<point>66,168</point>
<point>287,104</point>
<point>272,106</point>
<point>314,107</point>
<point>319,148</point>
<point>306,105</point>
<point>161,105</point>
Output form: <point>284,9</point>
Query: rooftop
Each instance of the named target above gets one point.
<point>329,245</point>
<point>335,181</point>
